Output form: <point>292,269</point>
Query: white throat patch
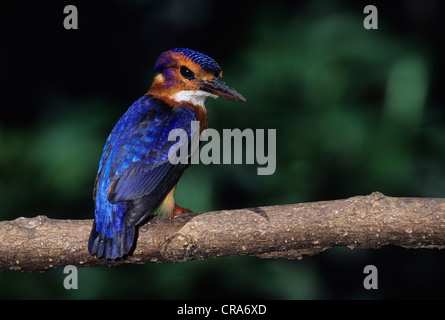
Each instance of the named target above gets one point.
<point>195,97</point>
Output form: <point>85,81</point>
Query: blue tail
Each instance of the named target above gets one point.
<point>112,248</point>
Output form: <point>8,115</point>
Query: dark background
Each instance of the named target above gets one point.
<point>355,110</point>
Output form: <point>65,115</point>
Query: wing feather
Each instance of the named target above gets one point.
<point>141,165</point>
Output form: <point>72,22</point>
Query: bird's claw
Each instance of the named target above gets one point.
<point>179,210</point>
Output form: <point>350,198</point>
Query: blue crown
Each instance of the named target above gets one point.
<point>207,63</point>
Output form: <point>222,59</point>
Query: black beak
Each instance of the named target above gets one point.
<point>221,89</point>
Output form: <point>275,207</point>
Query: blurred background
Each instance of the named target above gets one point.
<point>355,110</point>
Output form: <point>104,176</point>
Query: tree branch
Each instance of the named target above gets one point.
<point>288,231</point>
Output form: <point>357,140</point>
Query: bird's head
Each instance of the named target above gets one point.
<point>185,75</point>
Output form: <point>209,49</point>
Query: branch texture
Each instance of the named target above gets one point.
<point>285,231</point>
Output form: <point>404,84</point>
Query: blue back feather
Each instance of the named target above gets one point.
<point>135,164</point>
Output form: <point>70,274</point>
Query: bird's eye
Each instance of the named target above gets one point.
<point>187,73</point>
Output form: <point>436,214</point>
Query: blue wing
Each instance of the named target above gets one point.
<point>134,173</point>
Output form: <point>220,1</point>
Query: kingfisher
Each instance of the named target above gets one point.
<point>135,179</point>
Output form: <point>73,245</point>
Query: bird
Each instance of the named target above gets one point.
<point>135,179</point>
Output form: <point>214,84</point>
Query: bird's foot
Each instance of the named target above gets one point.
<point>178,210</point>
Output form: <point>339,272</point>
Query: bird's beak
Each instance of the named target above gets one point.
<point>221,89</point>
